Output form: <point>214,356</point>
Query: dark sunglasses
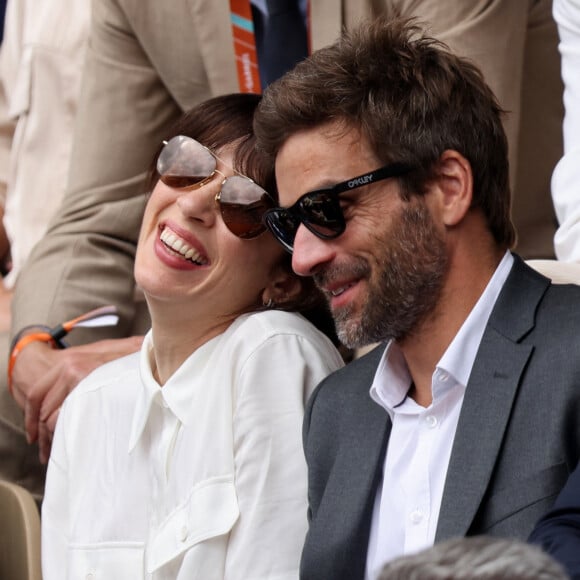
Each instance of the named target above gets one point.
<point>320,210</point>
<point>185,163</point>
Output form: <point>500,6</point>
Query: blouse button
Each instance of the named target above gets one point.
<point>183,533</point>
<point>431,421</point>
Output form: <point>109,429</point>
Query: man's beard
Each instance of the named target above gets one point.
<point>404,286</point>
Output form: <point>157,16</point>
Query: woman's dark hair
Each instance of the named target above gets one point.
<point>228,120</point>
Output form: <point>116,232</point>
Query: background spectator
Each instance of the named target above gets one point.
<point>475,558</point>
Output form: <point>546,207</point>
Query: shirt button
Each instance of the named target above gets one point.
<point>183,533</point>
<point>90,576</point>
<point>431,421</point>
<point>416,517</point>
<point>443,376</point>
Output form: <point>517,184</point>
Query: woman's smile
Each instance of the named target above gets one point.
<point>180,247</point>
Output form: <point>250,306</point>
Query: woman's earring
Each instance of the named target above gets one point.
<point>269,304</point>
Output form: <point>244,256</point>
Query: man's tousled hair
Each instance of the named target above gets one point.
<point>410,97</point>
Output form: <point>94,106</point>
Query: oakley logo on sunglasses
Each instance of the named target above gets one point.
<point>184,163</point>
<point>320,210</point>
<point>359,181</point>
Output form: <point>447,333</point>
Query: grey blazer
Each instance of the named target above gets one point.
<point>517,439</point>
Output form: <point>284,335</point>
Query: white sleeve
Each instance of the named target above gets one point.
<point>271,478</point>
<point>566,176</point>
<point>55,507</point>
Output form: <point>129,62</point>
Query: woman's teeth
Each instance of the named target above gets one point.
<point>175,243</point>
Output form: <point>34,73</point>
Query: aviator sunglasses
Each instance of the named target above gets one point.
<point>320,211</point>
<point>185,163</point>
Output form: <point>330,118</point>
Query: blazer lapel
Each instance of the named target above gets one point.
<point>358,451</point>
<point>484,416</point>
<point>489,397</point>
<point>359,465</point>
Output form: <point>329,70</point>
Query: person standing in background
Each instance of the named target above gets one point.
<point>41,63</point>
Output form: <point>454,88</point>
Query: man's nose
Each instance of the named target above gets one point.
<point>310,252</point>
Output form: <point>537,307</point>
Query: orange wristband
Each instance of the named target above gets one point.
<point>20,344</point>
<point>102,316</point>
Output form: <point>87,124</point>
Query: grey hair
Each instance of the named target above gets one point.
<point>476,558</point>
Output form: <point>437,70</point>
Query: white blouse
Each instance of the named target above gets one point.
<point>202,479</point>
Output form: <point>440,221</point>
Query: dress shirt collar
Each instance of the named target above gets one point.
<point>459,357</point>
<point>179,392</point>
<point>392,379</point>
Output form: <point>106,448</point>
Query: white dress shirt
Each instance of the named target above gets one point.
<point>201,479</point>
<point>566,176</point>
<point>407,504</point>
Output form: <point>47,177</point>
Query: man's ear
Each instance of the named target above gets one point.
<point>284,286</point>
<point>454,186</point>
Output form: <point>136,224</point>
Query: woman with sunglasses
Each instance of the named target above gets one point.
<point>185,460</point>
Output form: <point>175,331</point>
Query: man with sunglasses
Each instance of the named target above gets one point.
<point>392,171</point>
